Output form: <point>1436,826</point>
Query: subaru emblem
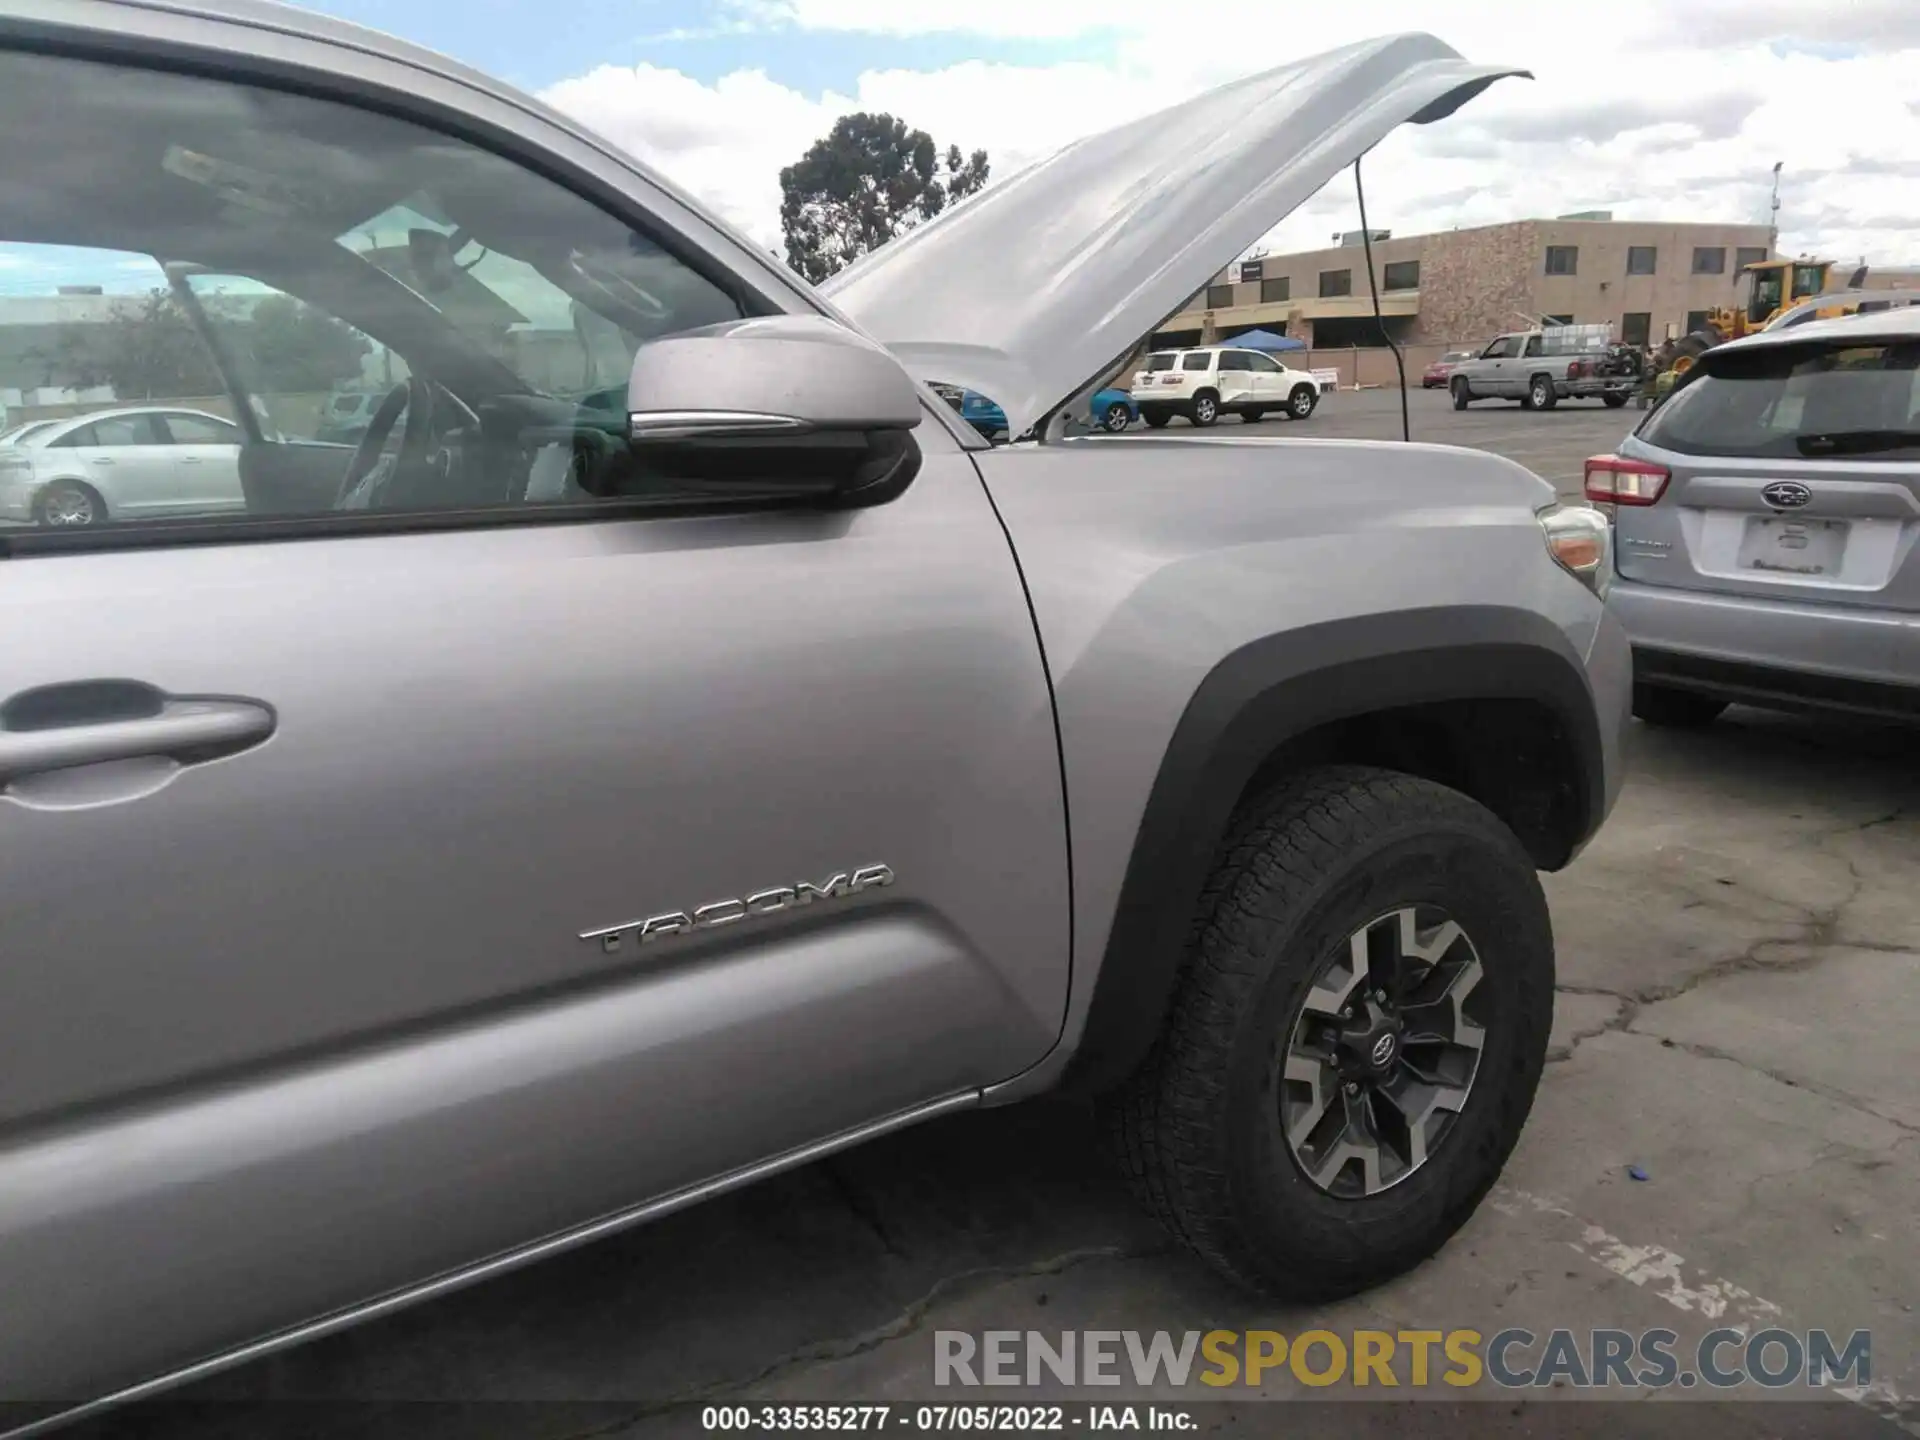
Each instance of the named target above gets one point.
<point>1786,495</point>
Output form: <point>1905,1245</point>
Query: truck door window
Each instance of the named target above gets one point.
<point>308,260</point>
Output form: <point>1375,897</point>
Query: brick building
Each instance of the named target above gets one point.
<point>1903,277</point>
<point>1461,287</point>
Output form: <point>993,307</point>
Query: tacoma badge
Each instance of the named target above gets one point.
<point>724,912</point>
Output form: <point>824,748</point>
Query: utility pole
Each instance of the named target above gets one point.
<point>1773,213</point>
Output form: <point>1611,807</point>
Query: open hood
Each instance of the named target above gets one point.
<point>1029,291</point>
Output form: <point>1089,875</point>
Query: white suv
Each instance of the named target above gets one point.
<point>1205,384</point>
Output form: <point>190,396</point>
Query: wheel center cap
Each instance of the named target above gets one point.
<point>1371,1045</point>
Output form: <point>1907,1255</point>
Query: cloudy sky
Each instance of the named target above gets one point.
<point>1650,108</point>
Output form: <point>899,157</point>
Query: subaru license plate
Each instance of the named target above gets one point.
<point>1779,546</point>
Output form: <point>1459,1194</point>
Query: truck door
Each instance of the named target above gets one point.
<point>1492,376</point>
<point>455,857</point>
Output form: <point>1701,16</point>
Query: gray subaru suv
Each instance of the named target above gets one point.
<point>667,745</point>
<point>1767,526</point>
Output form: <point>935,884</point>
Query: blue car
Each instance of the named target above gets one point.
<point>1110,409</point>
<point>1113,409</point>
<point>981,413</point>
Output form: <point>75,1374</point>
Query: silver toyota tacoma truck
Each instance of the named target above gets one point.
<point>668,746</point>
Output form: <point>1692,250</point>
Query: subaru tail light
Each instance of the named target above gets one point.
<point>1617,480</point>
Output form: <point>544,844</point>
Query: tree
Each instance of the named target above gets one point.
<point>297,349</point>
<point>869,179</point>
<point>149,350</point>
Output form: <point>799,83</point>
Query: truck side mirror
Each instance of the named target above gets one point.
<point>781,405</point>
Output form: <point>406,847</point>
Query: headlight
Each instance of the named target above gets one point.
<point>1580,539</point>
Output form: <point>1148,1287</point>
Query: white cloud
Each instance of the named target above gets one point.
<point>1653,110</point>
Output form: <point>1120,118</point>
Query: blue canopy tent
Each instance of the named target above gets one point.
<point>1264,340</point>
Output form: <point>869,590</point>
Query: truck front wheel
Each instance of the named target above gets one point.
<point>1356,1039</point>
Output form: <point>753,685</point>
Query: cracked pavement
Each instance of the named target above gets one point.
<point>1739,957</point>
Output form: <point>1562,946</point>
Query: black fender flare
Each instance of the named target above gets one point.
<point>1245,711</point>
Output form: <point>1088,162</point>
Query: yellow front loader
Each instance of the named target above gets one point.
<point>1772,286</point>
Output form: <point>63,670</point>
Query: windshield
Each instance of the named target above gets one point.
<point>1814,401</point>
<point>23,432</point>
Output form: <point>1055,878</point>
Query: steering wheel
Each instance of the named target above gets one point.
<point>414,397</point>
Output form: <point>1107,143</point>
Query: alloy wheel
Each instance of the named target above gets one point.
<point>67,505</point>
<point>1383,1053</point>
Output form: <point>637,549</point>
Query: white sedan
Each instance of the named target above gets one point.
<point>122,464</point>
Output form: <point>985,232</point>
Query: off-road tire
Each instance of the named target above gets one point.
<point>1461,391</point>
<point>1687,351</point>
<point>1196,1128</point>
<point>1694,344</point>
<point>1675,709</point>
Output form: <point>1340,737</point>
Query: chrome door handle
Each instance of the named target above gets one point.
<point>187,730</point>
<point>189,459</point>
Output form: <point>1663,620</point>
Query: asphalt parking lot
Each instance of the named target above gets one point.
<point>1551,443</point>
<point>1739,962</point>
<point>1554,444</point>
